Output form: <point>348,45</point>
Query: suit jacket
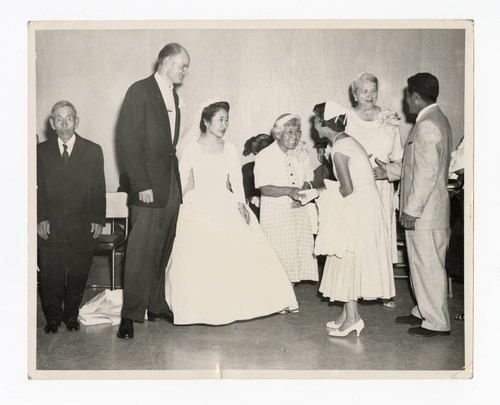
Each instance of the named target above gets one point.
<point>424,173</point>
<point>145,142</point>
<point>71,196</point>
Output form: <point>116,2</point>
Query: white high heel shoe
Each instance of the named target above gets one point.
<point>333,325</point>
<point>358,327</point>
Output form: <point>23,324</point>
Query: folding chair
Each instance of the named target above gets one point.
<point>117,213</point>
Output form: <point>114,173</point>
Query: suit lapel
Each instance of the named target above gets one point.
<point>177,117</point>
<point>411,135</point>
<point>55,153</point>
<point>159,106</point>
<point>77,150</point>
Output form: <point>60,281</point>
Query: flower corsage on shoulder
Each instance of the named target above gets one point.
<point>300,152</point>
<point>388,118</point>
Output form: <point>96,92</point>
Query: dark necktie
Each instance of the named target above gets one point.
<point>65,154</point>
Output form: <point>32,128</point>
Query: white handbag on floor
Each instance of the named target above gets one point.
<point>104,308</point>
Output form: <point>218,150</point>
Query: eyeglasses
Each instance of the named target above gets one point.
<point>183,68</point>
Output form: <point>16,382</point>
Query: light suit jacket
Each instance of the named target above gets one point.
<point>424,172</point>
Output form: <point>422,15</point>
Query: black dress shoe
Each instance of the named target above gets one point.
<point>126,329</point>
<point>409,320</point>
<point>419,331</point>
<point>72,324</point>
<point>165,316</point>
<point>52,327</point>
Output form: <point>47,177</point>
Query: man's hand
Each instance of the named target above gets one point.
<point>380,172</point>
<point>407,221</point>
<point>146,196</point>
<point>43,229</point>
<point>96,230</point>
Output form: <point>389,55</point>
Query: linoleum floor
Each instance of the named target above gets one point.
<point>293,341</point>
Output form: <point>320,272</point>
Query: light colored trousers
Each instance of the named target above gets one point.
<point>426,256</point>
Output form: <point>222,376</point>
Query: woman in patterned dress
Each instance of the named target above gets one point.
<point>281,171</point>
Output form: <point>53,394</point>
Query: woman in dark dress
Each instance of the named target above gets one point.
<point>253,146</point>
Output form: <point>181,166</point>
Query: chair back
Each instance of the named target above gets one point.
<point>117,208</point>
<point>116,205</point>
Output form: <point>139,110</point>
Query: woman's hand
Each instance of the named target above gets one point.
<point>294,194</point>
<point>244,213</point>
<point>380,172</point>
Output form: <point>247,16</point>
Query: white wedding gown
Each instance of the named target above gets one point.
<point>221,269</point>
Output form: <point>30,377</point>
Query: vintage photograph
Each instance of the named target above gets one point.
<point>250,199</point>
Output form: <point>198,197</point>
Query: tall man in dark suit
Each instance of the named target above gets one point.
<point>147,134</point>
<point>71,212</point>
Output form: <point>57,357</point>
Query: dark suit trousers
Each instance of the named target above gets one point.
<point>148,249</point>
<point>63,279</point>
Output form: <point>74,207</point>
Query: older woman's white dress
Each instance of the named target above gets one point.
<point>221,269</point>
<point>353,235</point>
<point>381,139</point>
<point>288,229</point>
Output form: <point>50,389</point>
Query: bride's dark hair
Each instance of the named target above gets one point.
<point>210,110</point>
<point>336,123</point>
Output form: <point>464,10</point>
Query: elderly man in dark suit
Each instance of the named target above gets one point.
<point>147,135</point>
<point>71,213</point>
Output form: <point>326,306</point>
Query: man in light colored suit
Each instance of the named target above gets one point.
<point>425,206</point>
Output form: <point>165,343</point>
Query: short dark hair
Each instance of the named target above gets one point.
<point>210,110</point>
<point>262,141</point>
<point>426,85</point>
<point>171,49</point>
<point>247,147</point>
<point>256,143</point>
<point>336,124</point>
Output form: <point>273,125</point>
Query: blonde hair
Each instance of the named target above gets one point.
<point>356,82</point>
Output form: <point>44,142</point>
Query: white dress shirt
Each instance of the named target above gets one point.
<point>423,110</point>
<point>69,144</point>
<point>166,89</point>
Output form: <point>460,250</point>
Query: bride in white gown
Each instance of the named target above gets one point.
<point>222,267</point>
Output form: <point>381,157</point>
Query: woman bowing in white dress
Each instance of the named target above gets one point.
<point>357,245</point>
<point>222,267</point>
